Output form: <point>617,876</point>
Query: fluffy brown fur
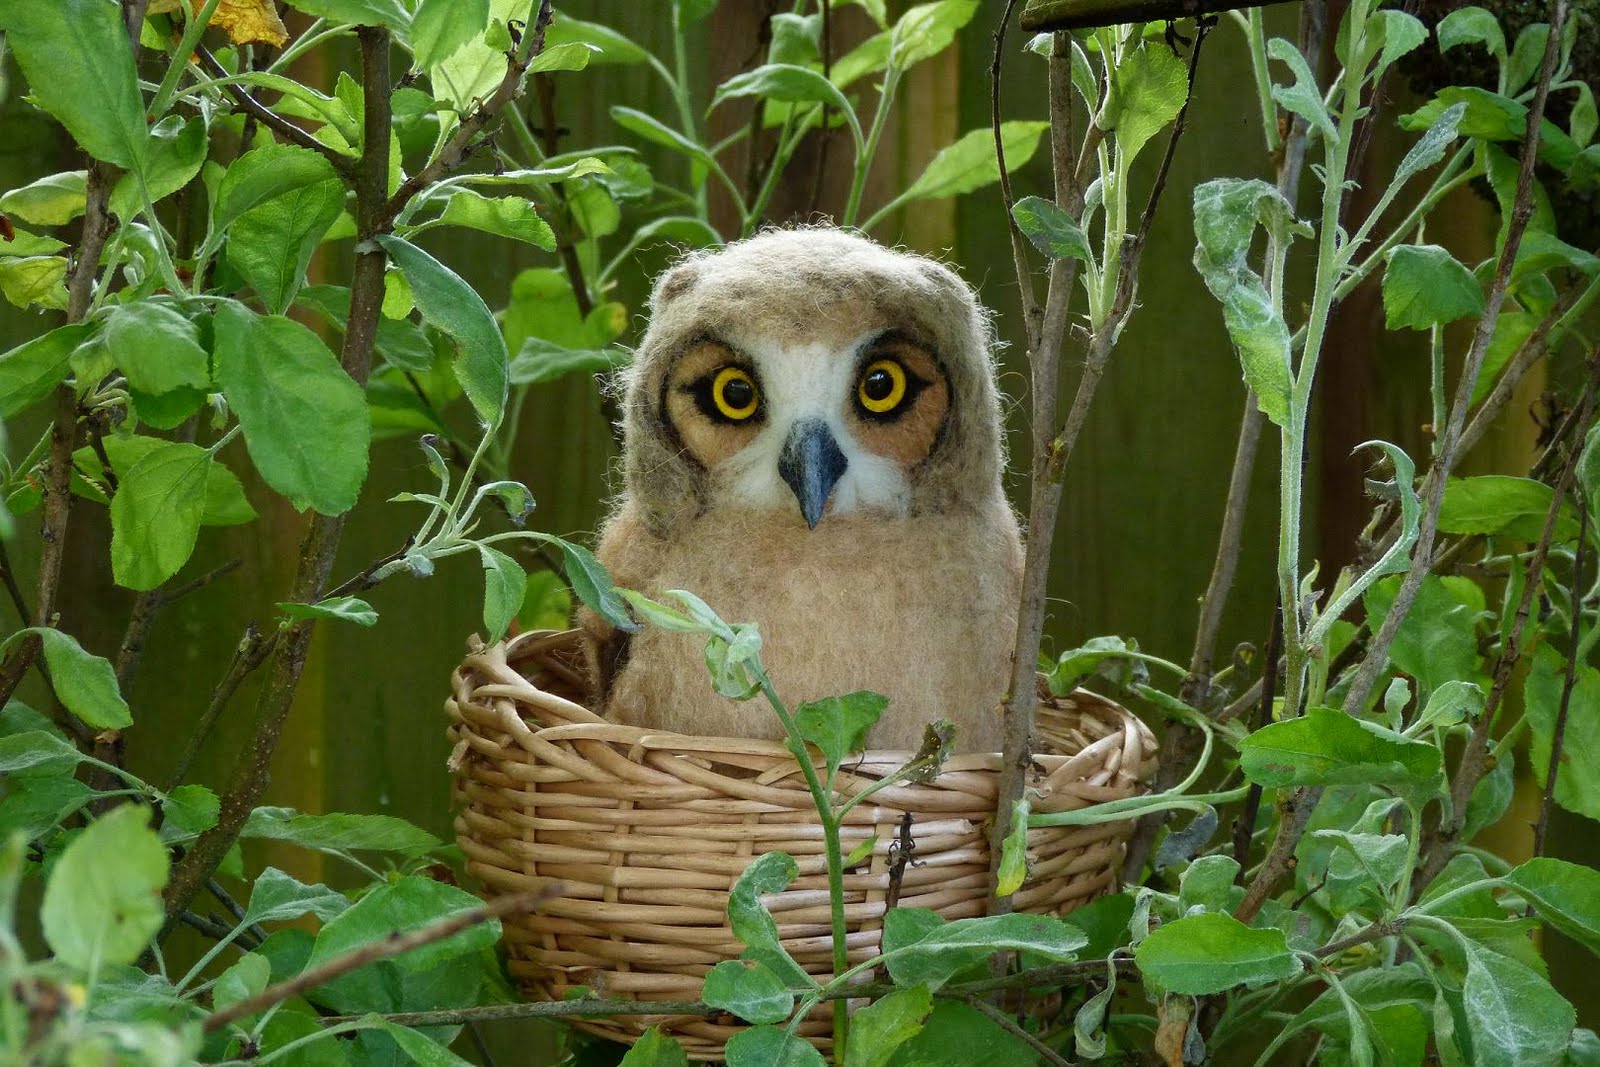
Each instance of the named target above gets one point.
<point>920,608</point>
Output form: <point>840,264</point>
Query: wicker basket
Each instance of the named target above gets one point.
<point>647,832</point>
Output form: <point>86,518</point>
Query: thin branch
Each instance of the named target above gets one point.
<point>450,156</point>
<point>1019,253</point>
<point>1422,555</point>
<point>193,585</point>
<point>1528,353</point>
<point>251,652</point>
<point>372,952</point>
<point>1048,461</point>
<point>1558,736</point>
<point>1294,812</point>
<point>1436,846</point>
<point>319,548</point>
<point>1244,828</point>
<point>261,113</point>
<point>8,575</point>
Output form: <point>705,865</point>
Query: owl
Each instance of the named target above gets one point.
<point>812,442</point>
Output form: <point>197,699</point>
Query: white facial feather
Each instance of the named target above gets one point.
<point>810,381</point>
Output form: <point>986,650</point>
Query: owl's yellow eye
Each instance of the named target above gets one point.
<point>734,392</point>
<point>883,386</point>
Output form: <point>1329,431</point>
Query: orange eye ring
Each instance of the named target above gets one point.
<point>882,387</point>
<point>734,393</point>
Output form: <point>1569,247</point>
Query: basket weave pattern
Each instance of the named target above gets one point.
<point>648,832</point>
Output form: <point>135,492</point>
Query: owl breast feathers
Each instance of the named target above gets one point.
<point>812,442</point>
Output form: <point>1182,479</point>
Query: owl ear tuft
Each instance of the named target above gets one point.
<point>673,284</point>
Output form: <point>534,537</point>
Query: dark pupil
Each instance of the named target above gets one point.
<point>878,385</point>
<point>738,393</point>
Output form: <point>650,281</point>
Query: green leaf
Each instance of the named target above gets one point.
<point>572,56</point>
<point>481,362</point>
<point>1148,88</point>
<point>969,163</point>
<point>1303,98</point>
<point>1472,25</point>
<point>1327,747</point>
<point>753,925</point>
<point>880,1028</point>
<point>505,583</point>
<point>547,605</point>
<point>1491,797</point>
<point>838,725</point>
<point>1424,285</point>
<point>1453,702</point>
<point>611,46</point>
<point>952,947</point>
<point>1578,782</point>
<point>1430,148</point>
<point>768,1046</point>
<point>749,990</point>
<point>1488,116</point>
<point>1093,656</point>
<point>925,30</point>
<point>592,582</point>
<point>54,200</point>
<point>1362,860</point>
<point>1585,118</point>
<point>31,370</point>
<point>654,1049</point>
<point>419,1048</point>
<point>408,903</point>
<point>539,361</point>
<point>271,244</point>
<point>1013,869</point>
<point>1526,56</point>
<point>957,1033</point>
<point>247,977</point>
<point>35,748</point>
<point>157,348</point>
<point>102,902</point>
<point>35,280</point>
<point>305,421</point>
<point>1208,883</point>
<point>786,83</point>
<point>1566,895</point>
<point>339,832</point>
<point>1516,1019</point>
<point>76,57</point>
<point>263,174</point>
<point>1052,230</point>
<point>1541,253</point>
<point>1503,505</point>
<point>505,216</point>
<point>1209,953</point>
<point>360,12</point>
<point>443,26</point>
<point>342,608</point>
<point>277,897</point>
<point>1226,212</point>
<point>225,502</point>
<point>176,151</point>
<point>1438,640</point>
<point>84,682</point>
<point>155,516</point>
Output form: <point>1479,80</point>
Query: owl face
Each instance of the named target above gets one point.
<point>830,425</point>
<point>815,374</point>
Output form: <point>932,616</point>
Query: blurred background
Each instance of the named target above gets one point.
<point>1144,492</point>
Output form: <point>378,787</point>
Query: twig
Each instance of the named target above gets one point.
<point>251,652</point>
<point>8,574</point>
<point>1019,254</point>
<point>319,548</point>
<point>193,585</point>
<point>210,927</point>
<point>1244,828</point>
<point>1422,555</point>
<point>1436,846</point>
<point>1048,462</point>
<point>1559,735</point>
<point>450,156</point>
<point>1009,1025</point>
<point>258,111</point>
<point>393,945</point>
<point>1528,353</point>
<point>1294,812</point>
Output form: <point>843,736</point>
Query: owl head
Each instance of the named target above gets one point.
<point>815,374</point>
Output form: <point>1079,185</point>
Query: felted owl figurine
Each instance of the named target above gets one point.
<point>812,442</point>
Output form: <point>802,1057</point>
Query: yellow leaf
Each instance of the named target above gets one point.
<point>245,21</point>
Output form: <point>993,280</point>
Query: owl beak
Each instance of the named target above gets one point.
<point>812,465</point>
